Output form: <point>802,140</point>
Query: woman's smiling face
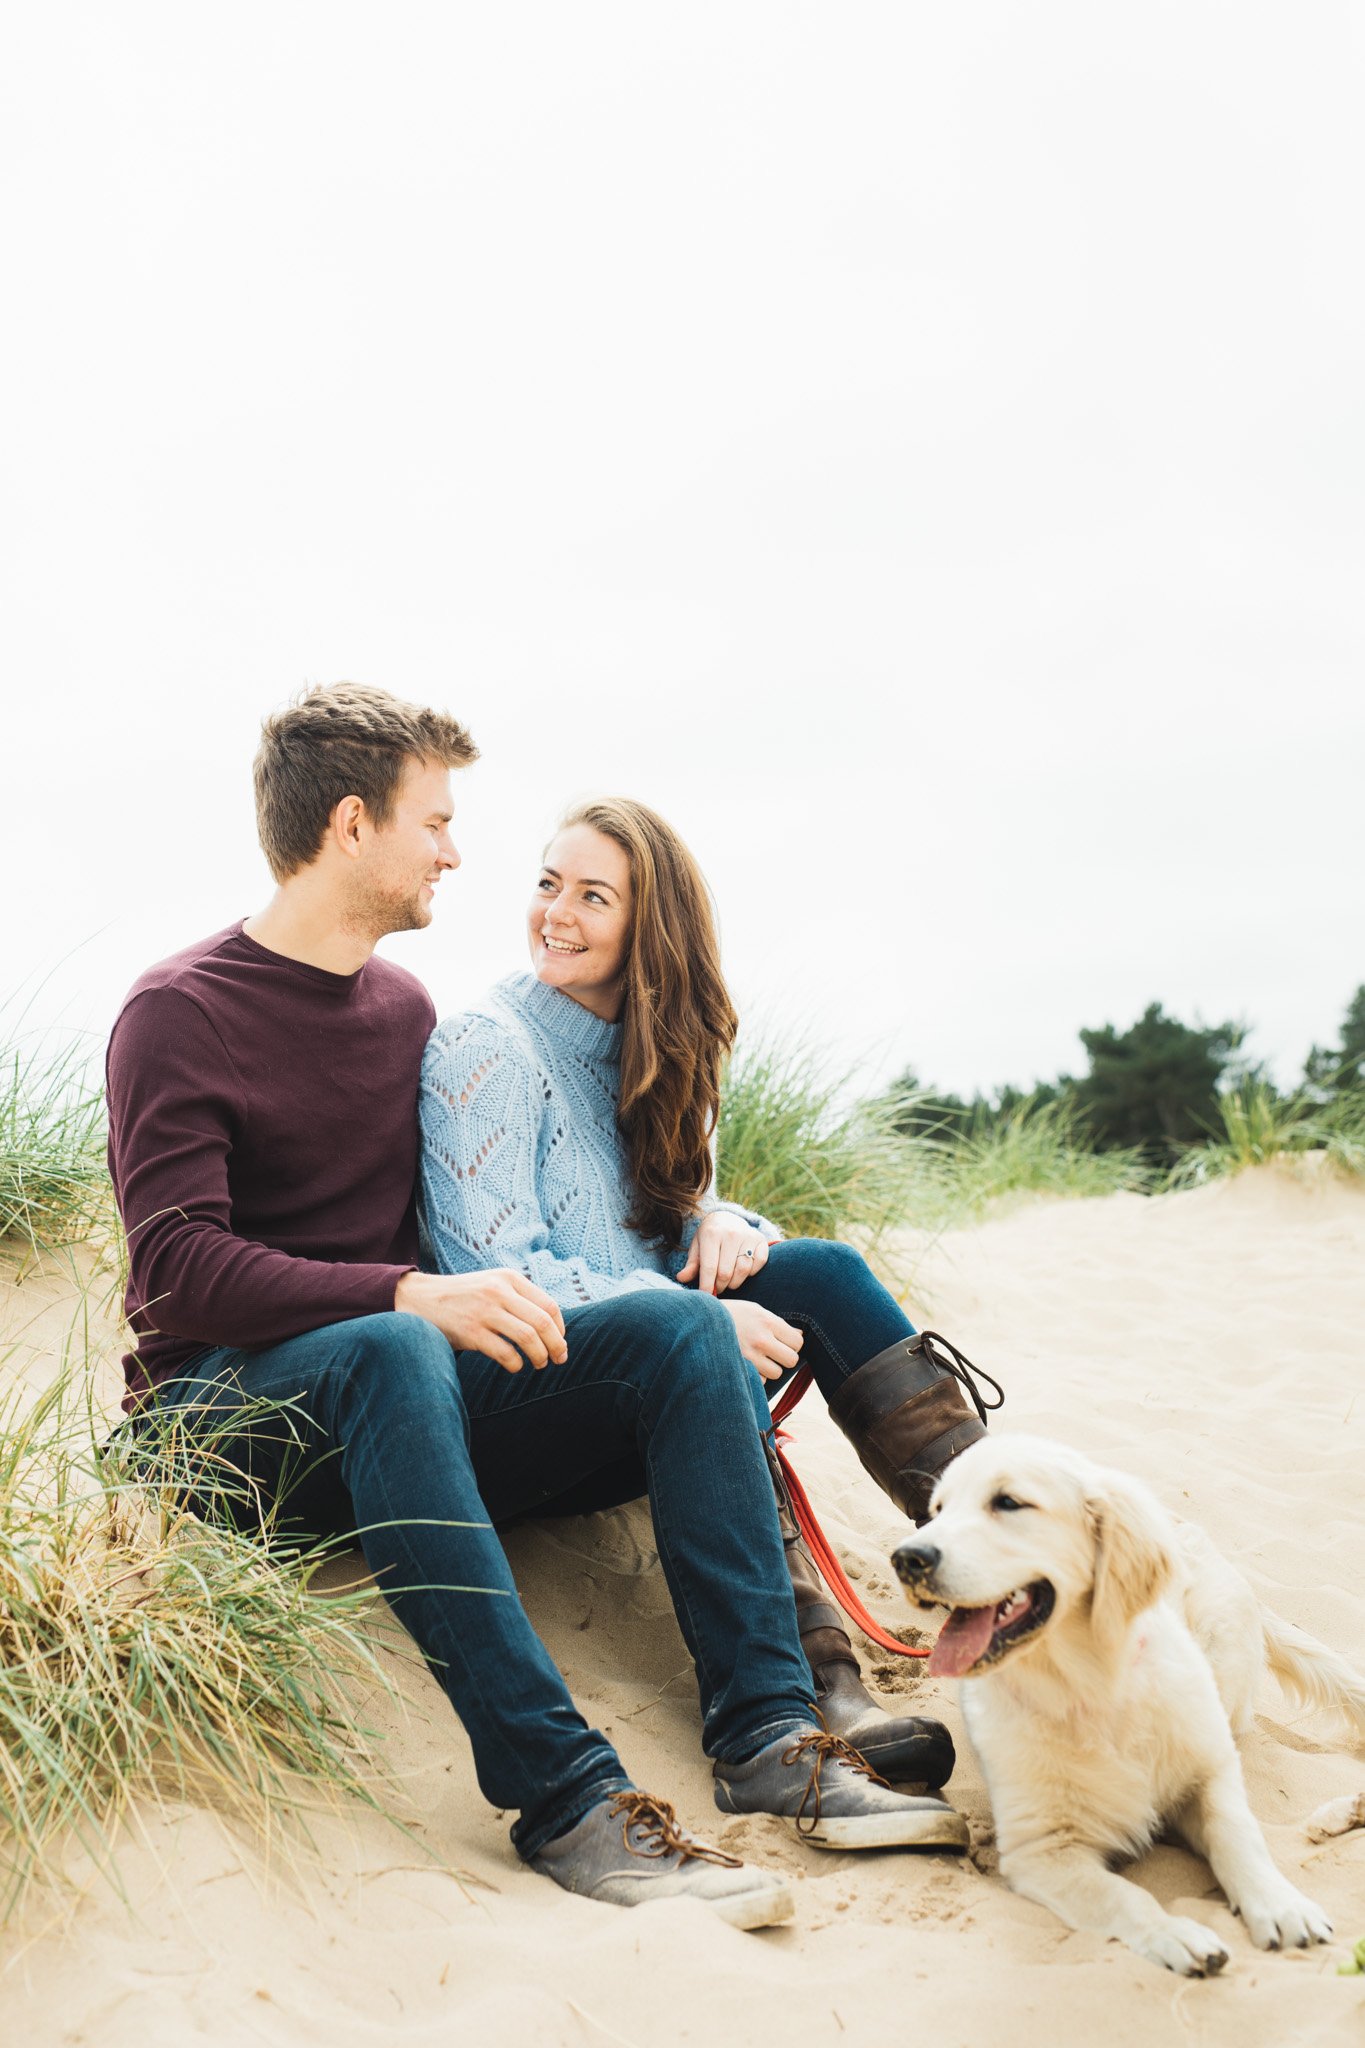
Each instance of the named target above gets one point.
<point>578,922</point>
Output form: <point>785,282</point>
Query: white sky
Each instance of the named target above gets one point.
<point>919,448</point>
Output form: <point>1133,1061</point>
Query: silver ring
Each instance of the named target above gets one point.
<point>746,1255</point>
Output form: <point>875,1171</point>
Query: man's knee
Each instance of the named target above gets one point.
<point>676,1334</point>
<point>397,1353</point>
<point>700,1343</point>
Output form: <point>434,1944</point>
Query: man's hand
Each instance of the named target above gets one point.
<point>766,1341</point>
<point>725,1252</point>
<point>497,1312</point>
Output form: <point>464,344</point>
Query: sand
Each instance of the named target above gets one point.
<point>1211,1342</point>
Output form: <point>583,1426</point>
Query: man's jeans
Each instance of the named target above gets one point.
<point>392,1433</point>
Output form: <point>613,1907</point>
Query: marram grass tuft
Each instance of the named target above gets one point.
<point>1260,1126</point>
<point>144,1651</point>
<point>54,1188</point>
<point>790,1145</point>
<point>1036,1148</point>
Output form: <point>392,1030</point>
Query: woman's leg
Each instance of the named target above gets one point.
<point>899,1397</point>
<point>831,1293</point>
<point>907,1418</point>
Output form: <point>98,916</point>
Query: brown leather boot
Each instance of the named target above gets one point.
<point>904,1747</point>
<point>906,1416</point>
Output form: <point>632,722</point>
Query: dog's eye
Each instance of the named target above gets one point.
<point>1006,1504</point>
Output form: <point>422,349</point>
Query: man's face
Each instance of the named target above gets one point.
<point>402,862</point>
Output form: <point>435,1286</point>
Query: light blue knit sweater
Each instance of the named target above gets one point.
<point>522,1161</point>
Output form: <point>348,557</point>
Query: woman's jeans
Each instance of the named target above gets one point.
<point>831,1293</point>
<point>390,1433</point>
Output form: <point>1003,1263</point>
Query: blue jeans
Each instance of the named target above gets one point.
<point>421,1450</point>
<point>831,1293</point>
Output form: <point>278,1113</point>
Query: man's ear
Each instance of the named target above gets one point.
<point>347,819</point>
<point>1134,1560</point>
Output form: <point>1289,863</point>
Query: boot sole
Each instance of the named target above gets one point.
<point>947,1830</point>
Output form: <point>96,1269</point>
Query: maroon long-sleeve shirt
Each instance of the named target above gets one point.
<point>263,1147</point>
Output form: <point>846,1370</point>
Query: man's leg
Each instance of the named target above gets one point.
<point>389,1405</point>
<point>663,1371</point>
<point>375,1439</point>
<point>658,1377</point>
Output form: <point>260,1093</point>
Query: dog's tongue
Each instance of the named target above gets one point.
<point>963,1639</point>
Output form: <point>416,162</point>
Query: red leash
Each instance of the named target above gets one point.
<point>818,1544</point>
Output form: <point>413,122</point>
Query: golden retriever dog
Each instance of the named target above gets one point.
<point>1107,1654</point>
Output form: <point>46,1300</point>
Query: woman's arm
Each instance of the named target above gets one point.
<point>481,1101</point>
<point>724,1244</point>
<point>710,1204</point>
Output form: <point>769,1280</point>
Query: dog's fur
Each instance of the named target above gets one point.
<point>1114,1718</point>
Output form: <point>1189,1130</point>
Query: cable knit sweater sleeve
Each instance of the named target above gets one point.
<point>487,1119</point>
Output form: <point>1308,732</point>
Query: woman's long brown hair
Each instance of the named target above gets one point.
<point>678,1021</point>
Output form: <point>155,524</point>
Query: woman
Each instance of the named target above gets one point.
<point>567,1123</point>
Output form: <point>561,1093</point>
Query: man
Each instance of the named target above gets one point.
<point>263,1139</point>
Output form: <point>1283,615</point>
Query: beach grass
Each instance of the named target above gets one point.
<point>148,1652</point>
<point>1257,1125</point>
<point>54,1187</point>
<point>793,1144</point>
<point>1034,1148</point>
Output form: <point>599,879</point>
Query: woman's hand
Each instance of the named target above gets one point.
<point>725,1252</point>
<point>768,1343</point>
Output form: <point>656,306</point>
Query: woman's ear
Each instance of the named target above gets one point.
<point>1134,1560</point>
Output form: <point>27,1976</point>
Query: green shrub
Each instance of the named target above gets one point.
<point>1154,1085</point>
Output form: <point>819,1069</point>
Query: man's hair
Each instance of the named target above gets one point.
<point>337,740</point>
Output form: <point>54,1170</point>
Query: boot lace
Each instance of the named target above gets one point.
<point>950,1360</point>
<point>658,1832</point>
<point>819,1748</point>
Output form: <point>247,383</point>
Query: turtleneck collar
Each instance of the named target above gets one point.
<point>561,1018</point>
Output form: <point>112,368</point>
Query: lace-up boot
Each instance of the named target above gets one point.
<point>907,1747</point>
<point>630,1849</point>
<point>829,1795</point>
<point>907,1416</point>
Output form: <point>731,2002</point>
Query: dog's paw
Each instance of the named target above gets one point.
<point>1183,1946</point>
<point>1284,1919</point>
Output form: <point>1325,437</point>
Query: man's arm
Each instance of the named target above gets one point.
<point>175,1102</point>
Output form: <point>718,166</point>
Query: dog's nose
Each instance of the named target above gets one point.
<point>915,1562</point>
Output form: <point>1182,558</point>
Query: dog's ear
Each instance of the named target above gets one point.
<point>1134,1562</point>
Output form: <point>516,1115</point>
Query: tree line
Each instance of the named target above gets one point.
<point>1155,1086</point>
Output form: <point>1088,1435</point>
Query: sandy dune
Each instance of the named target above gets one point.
<point>1212,1342</point>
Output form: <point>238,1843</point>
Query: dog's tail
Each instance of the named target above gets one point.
<point>1311,1673</point>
